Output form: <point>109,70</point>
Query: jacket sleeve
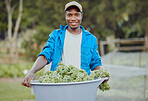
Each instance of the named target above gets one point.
<point>96,59</point>
<point>48,49</point>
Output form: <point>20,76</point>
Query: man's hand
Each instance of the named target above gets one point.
<point>106,79</point>
<point>97,68</point>
<point>27,80</point>
<point>39,64</point>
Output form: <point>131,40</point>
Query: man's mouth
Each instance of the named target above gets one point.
<point>73,23</point>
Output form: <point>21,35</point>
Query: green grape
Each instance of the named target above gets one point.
<point>62,69</point>
<point>78,79</point>
<point>41,79</point>
<point>86,78</point>
<point>92,75</point>
<point>74,75</point>
<point>66,78</point>
<point>104,86</point>
<point>97,72</point>
<point>48,72</point>
<point>80,75</point>
<point>83,71</point>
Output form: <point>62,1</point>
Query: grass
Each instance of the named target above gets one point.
<point>127,59</point>
<point>13,91</point>
<point>130,89</point>
<point>16,70</point>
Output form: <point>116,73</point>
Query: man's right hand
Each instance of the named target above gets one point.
<point>27,80</point>
<point>39,64</point>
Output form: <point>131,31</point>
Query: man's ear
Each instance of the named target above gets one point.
<point>65,16</point>
<point>81,16</point>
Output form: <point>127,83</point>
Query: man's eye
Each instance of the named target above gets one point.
<point>69,15</point>
<point>77,14</point>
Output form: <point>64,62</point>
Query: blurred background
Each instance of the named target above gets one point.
<point>121,27</point>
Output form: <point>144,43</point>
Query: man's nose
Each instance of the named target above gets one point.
<point>73,18</point>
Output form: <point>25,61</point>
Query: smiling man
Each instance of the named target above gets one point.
<point>70,45</point>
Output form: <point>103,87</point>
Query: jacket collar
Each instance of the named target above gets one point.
<point>63,30</point>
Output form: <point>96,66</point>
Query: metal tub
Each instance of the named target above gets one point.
<point>72,91</point>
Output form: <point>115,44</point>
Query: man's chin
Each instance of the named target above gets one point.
<point>74,27</point>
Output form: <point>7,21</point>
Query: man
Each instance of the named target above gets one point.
<point>71,45</point>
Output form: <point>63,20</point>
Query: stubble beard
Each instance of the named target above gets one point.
<point>75,27</point>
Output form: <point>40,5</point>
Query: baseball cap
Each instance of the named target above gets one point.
<point>73,3</point>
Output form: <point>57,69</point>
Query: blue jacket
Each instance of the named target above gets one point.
<point>53,50</point>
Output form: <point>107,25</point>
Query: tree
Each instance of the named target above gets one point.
<point>13,36</point>
<point>121,18</point>
<point>3,20</point>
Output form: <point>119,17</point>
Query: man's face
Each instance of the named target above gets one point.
<point>73,17</point>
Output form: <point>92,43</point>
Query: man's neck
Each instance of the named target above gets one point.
<point>74,31</point>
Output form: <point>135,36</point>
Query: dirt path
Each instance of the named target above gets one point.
<point>6,79</point>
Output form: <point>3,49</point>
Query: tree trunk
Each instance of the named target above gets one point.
<point>12,37</point>
<point>10,12</point>
<point>18,20</point>
<point>146,40</point>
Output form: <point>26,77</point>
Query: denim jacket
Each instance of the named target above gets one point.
<point>53,50</point>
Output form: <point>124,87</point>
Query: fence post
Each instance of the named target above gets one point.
<point>118,44</point>
<point>146,43</point>
<point>144,93</point>
<point>140,59</point>
<point>102,48</point>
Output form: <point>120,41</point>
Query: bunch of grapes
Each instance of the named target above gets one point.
<point>102,74</point>
<point>73,74</point>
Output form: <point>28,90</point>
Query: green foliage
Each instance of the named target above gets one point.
<point>26,44</point>
<point>3,17</point>
<point>33,42</point>
<point>16,70</point>
<point>42,34</point>
<point>4,14</point>
<point>121,18</point>
<point>98,15</point>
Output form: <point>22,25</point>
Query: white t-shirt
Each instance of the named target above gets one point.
<point>72,50</point>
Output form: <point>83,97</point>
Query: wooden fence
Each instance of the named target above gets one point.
<point>131,44</point>
<point>5,56</point>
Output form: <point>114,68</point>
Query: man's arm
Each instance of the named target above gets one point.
<point>39,64</point>
<point>43,59</point>
<point>95,59</point>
